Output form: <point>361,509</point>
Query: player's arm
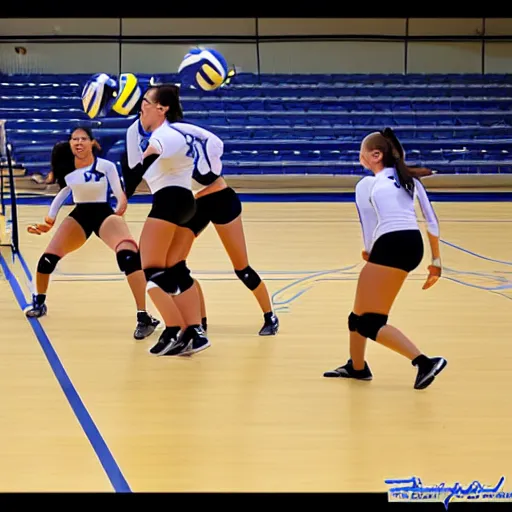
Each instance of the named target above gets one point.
<point>132,177</point>
<point>117,189</point>
<point>164,144</point>
<point>366,211</point>
<point>433,234</point>
<point>49,221</point>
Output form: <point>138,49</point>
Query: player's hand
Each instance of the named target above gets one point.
<point>121,208</point>
<point>365,256</point>
<point>39,229</point>
<point>434,273</point>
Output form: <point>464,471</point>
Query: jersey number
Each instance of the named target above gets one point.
<point>96,175</point>
<point>394,180</point>
<point>196,149</point>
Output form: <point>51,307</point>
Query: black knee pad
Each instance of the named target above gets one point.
<point>128,261</point>
<point>155,277</point>
<point>178,279</point>
<point>182,275</point>
<point>47,263</point>
<point>353,322</point>
<point>369,324</point>
<point>173,280</point>
<point>249,277</point>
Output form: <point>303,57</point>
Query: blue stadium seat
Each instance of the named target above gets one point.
<point>288,124</point>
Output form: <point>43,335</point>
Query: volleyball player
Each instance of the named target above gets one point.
<point>216,203</point>
<point>393,248</point>
<point>161,154</point>
<point>78,171</point>
<point>219,204</point>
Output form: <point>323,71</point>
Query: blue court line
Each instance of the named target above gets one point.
<point>309,197</point>
<point>330,275</point>
<point>455,246</point>
<point>313,277</point>
<point>352,221</point>
<point>492,277</point>
<point>284,305</point>
<point>303,280</point>
<point>101,449</point>
<point>478,287</point>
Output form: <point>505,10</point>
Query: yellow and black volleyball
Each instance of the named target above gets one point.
<point>203,68</point>
<point>128,94</point>
<point>97,95</point>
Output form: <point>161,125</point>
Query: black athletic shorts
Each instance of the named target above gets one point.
<point>91,216</point>
<point>219,207</point>
<point>173,204</point>
<point>398,249</point>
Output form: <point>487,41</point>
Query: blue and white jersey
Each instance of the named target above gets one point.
<point>89,184</point>
<point>384,206</point>
<point>187,152</point>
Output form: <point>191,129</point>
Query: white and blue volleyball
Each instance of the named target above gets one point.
<point>98,94</point>
<point>128,95</point>
<point>203,68</point>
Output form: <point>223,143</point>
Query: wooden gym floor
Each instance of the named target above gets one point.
<point>252,413</point>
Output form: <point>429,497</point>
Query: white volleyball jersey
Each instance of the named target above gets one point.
<point>187,152</point>
<point>89,184</point>
<point>384,206</point>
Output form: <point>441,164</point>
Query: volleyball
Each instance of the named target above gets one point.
<point>97,95</point>
<point>128,95</point>
<point>203,68</point>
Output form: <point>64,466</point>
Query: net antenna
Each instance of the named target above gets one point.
<point>8,230</point>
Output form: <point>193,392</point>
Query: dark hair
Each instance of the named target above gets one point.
<point>63,160</point>
<point>168,95</point>
<point>84,128</point>
<point>387,142</point>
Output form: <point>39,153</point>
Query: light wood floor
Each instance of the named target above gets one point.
<point>255,414</point>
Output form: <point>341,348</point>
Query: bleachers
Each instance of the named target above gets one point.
<point>294,124</point>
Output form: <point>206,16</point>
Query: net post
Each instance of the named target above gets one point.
<point>14,206</point>
<point>3,223</point>
<point>6,157</point>
<point>3,160</point>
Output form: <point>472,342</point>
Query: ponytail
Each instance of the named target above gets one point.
<point>404,176</point>
<point>405,173</point>
<point>390,135</point>
<point>168,95</point>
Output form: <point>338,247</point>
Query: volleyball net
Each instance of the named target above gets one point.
<point>8,206</point>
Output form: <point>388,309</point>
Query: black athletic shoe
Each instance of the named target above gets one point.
<point>38,308</point>
<point>271,325</point>
<point>146,325</point>
<point>199,341</point>
<point>347,372</point>
<point>169,343</point>
<point>428,369</point>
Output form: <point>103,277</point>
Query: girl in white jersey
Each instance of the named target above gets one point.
<point>393,247</point>
<point>219,204</point>
<point>80,173</point>
<point>164,157</point>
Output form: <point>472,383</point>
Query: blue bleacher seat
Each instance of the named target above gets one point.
<point>289,124</point>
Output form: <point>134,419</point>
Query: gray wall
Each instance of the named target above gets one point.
<point>274,56</point>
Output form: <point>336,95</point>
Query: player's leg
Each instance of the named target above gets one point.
<point>172,207</point>
<point>380,281</point>
<point>184,288</point>
<point>227,220</point>
<point>68,237</point>
<point>115,233</point>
